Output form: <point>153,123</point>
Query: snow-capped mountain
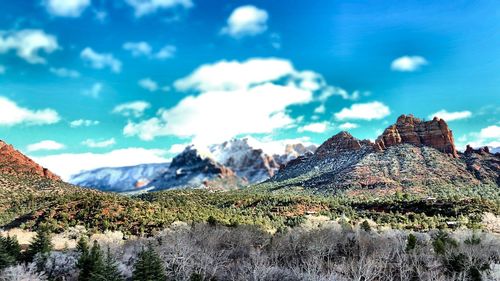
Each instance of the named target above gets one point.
<point>196,168</point>
<point>247,162</point>
<point>120,179</point>
<point>231,164</point>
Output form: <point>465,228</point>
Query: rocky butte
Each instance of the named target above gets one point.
<point>411,153</point>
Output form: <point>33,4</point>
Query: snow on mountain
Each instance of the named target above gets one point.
<point>119,179</point>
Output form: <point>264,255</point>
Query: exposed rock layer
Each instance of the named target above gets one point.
<point>14,162</point>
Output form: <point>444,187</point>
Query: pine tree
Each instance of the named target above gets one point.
<point>10,251</point>
<point>90,263</point>
<point>110,272</point>
<point>149,266</point>
<point>40,245</point>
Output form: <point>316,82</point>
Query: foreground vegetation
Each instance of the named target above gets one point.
<point>215,252</point>
<point>62,206</point>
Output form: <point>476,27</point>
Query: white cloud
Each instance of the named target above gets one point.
<point>145,7</point>
<point>138,48</point>
<point>319,127</point>
<point>219,115</point>
<point>233,98</point>
<point>66,8</point>
<point>148,84</point>
<point>451,116</point>
<point>488,136</point>
<point>45,145</point>
<point>135,108</point>
<point>271,146</point>
<point>246,21</point>
<point>100,60</point>
<point>166,52</point>
<point>94,91</point>
<point>232,75</point>
<point>12,114</point>
<point>83,123</point>
<point>320,109</point>
<point>408,63</point>
<point>490,132</point>
<point>68,164</point>
<point>99,144</point>
<point>336,91</point>
<point>348,125</point>
<point>64,72</point>
<point>177,148</point>
<point>28,43</point>
<point>364,111</point>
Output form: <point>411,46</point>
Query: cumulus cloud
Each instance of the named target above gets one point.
<point>145,7</point>
<point>68,164</point>
<point>83,123</point>
<point>66,8</point>
<point>28,44</point>
<point>148,84</point>
<point>99,144</point>
<point>451,116</point>
<point>231,98</point>
<point>100,60</point>
<point>12,114</point>
<point>132,109</point>
<point>320,109</point>
<point>232,75</point>
<point>488,136</point>
<point>408,63</point>
<point>246,21</point>
<point>348,125</point>
<point>364,111</point>
<point>94,91</point>
<point>319,127</point>
<point>64,72</point>
<point>45,145</point>
<point>177,148</point>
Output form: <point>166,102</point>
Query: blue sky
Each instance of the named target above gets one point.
<point>103,83</point>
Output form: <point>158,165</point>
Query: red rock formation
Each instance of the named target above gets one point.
<point>408,129</point>
<point>482,150</point>
<point>14,162</point>
<point>340,142</point>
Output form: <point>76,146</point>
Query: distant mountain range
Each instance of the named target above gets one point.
<point>411,154</point>
<point>232,164</point>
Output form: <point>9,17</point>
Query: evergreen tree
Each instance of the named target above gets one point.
<point>40,245</point>
<point>411,243</point>
<point>90,263</point>
<point>10,251</point>
<point>149,266</point>
<point>110,272</point>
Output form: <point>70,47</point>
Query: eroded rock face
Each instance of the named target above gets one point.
<point>411,130</point>
<point>340,142</point>
<point>14,162</point>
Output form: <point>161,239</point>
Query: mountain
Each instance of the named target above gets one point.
<point>119,179</point>
<point>251,164</point>
<point>235,160</point>
<point>14,162</point>
<point>412,153</point>
<point>194,167</point>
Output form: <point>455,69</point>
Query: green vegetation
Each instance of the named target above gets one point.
<point>149,266</point>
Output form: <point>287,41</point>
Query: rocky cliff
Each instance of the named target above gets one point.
<point>409,154</point>
<point>14,162</point>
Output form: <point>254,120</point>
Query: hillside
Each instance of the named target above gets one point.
<point>410,155</point>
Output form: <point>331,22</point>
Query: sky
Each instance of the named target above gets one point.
<point>92,83</point>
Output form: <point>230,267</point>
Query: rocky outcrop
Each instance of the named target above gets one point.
<point>409,154</point>
<point>411,130</point>
<point>14,162</point>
